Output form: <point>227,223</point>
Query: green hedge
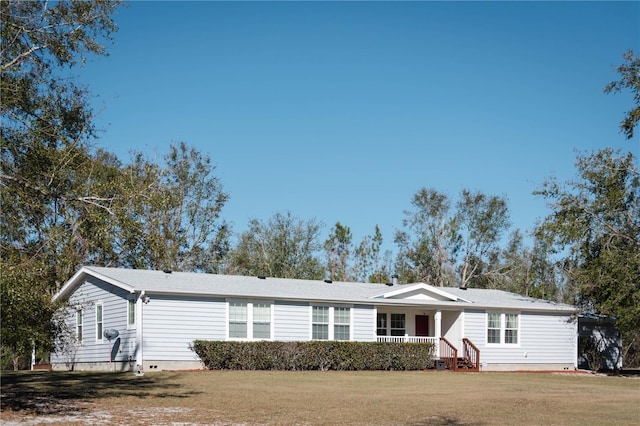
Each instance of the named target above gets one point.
<point>314,355</point>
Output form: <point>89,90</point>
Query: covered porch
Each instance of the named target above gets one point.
<point>441,328</point>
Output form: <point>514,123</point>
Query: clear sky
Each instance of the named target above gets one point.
<point>341,111</point>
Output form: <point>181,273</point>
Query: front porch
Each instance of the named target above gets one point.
<point>443,329</point>
<point>466,360</point>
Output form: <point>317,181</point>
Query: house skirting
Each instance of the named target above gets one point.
<point>94,366</point>
<point>527,367</point>
<point>120,366</point>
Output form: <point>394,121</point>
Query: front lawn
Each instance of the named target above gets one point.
<point>319,398</point>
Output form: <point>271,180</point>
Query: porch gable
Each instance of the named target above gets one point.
<point>420,291</point>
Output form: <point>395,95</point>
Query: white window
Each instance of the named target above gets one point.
<point>381,324</point>
<point>511,329</point>
<point>320,323</point>
<point>238,320</point>
<point>261,321</point>
<point>398,325</point>
<point>131,313</point>
<point>341,323</point>
<point>99,322</point>
<point>330,323</point>
<point>494,328</point>
<point>503,328</point>
<point>249,320</point>
<point>79,325</point>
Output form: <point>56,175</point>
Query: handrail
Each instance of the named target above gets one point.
<point>471,354</point>
<point>449,354</point>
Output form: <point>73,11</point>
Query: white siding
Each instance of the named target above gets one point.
<point>291,321</point>
<point>172,323</point>
<point>364,323</point>
<point>114,315</point>
<point>452,327</point>
<point>543,339</point>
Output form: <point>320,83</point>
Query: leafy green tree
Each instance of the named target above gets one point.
<point>172,220</point>
<point>53,195</point>
<point>595,226</point>
<point>338,249</point>
<point>629,79</point>
<point>442,245</point>
<point>361,267</point>
<point>380,261</point>
<point>429,242</point>
<point>525,270</point>
<point>283,247</point>
<point>480,221</point>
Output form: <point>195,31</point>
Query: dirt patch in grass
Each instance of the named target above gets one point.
<point>310,398</point>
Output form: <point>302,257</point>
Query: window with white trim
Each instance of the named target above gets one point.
<point>99,321</point>
<point>398,325</point>
<point>261,321</point>
<point>79,325</point>
<point>381,324</point>
<point>493,328</point>
<point>131,313</point>
<point>330,323</point>
<point>249,320</point>
<point>503,328</point>
<point>511,329</point>
<point>238,320</point>
<point>320,323</point>
<point>341,323</point>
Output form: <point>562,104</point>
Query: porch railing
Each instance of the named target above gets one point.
<point>411,339</point>
<point>449,354</point>
<point>407,339</point>
<point>471,354</point>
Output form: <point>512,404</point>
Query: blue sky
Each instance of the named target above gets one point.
<point>341,111</point>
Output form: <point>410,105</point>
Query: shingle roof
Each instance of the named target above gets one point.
<point>187,283</point>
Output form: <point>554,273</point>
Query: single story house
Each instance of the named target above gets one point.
<point>157,315</point>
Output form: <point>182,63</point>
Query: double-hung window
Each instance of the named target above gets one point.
<point>503,328</point>
<point>511,328</point>
<point>320,323</point>
<point>330,323</point>
<point>99,321</point>
<point>381,324</point>
<point>398,325</point>
<point>249,320</point>
<point>238,320</point>
<point>79,325</point>
<point>261,321</point>
<point>341,323</point>
<point>494,328</point>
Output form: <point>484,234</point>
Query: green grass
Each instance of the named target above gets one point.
<point>265,397</point>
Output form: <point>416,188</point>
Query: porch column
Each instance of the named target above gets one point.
<point>437,326</point>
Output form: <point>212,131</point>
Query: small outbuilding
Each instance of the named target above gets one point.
<point>599,343</point>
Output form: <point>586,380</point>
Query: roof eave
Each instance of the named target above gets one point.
<point>79,277</point>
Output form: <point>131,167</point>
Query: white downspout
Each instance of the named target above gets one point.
<point>139,333</point>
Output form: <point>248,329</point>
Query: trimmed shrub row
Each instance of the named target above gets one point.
<point>314,355</point>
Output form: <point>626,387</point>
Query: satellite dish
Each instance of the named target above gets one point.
<point>110,333</point>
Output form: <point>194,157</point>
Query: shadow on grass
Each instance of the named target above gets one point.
<point>442,421</point>
<point>57,392</point>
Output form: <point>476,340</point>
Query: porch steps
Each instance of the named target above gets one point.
<point>469,361</point>
<point>461,364</point>
<point>464,364</point>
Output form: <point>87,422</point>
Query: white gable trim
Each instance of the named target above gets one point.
<point>80,276</point>
<point>426,288</point>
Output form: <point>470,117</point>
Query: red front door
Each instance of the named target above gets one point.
<point>422,325</point>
